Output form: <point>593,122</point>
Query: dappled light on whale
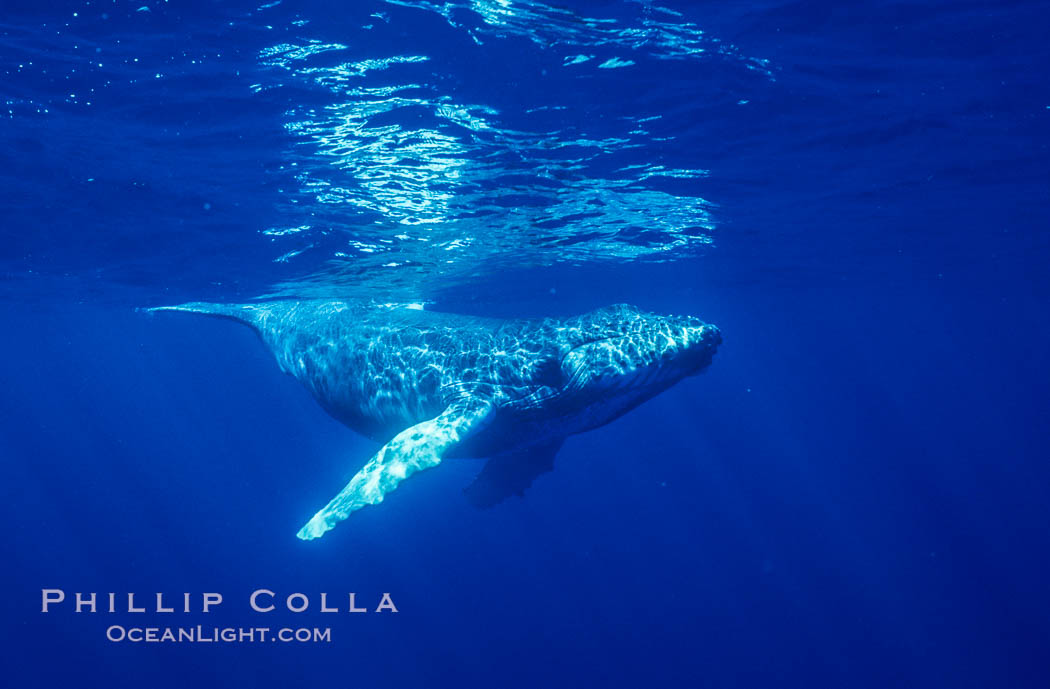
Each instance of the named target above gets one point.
<point>437,385</point>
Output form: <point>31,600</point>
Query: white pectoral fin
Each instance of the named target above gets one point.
<point>413,449</point>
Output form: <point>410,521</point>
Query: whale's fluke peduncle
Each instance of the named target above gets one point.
<point>242,313</point>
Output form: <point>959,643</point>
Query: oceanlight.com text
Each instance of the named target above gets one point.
<point>201,634</point>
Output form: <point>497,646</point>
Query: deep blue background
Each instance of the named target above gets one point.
<point>855,494</point>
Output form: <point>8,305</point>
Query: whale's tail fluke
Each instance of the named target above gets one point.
<point>248,314</point>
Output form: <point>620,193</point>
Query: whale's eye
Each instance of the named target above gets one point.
<point>549,373</point>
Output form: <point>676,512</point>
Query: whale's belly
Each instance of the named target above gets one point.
<point>383,406</point>
<point>374,392</point>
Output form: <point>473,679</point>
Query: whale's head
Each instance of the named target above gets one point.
<point>617,357</point>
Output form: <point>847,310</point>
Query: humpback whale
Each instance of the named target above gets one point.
<point>437,385</point>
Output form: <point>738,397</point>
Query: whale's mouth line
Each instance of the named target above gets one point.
<point>579,375</point>
<point>578,370</point>
<point>639,367</point>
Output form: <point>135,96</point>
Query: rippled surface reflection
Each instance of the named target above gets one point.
<point>390,149</point>
<point>400,179</point>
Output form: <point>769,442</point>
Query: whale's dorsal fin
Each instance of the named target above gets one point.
<point>510,473</point>
<point>413,449</point>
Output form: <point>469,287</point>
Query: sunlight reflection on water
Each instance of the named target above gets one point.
<point>418,183</point>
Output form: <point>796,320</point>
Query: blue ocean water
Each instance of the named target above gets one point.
<point>854,495</point>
